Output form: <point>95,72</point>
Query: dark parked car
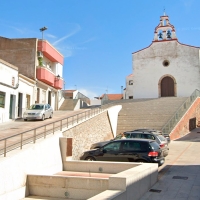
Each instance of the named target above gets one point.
<point>127,150</point>
<point>155,132</point>
<point>143,135</point>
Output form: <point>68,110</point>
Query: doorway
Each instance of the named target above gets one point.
<point>38,95</point>
<point>27,101</point>
<point>167,87</point>
<point>12,106</point>
<point>49,97</point>
<point>20,95</point>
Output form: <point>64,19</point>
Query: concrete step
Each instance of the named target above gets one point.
<point>147,113</point>
<point>68,104</point>
<point>42,198</point>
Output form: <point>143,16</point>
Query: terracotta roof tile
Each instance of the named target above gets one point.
<point>113,96</point>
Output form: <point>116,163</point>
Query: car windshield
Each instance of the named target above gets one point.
<point>37,107</point>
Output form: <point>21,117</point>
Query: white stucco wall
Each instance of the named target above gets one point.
<point>26,88</point>
<point>59,69</point>
<point>43,158</point>
<point>21,84</point>
<point>148,68</point>
<point>129,88</point>
<point>4,112</point>
<point>7,72</point>
<point>113,117</point>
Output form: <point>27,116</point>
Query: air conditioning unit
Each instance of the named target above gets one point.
<point>40,54</point>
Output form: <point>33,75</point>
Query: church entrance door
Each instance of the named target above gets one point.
<point>167,87</point>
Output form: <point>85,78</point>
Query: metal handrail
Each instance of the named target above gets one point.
<point>82,97</point>
<point>32,135</point>
<point>180,112</point>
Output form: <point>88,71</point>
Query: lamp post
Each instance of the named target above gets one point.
<point>42,30</point>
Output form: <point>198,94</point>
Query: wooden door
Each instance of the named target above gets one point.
<point>167,87</point>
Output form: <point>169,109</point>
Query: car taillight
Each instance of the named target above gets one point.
<point>162,145</point>
<point>153,153</point>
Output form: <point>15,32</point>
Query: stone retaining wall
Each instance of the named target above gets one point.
<point>93,130</point>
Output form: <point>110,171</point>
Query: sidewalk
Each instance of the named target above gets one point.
<point>179,178</point>
<point>14,127</point>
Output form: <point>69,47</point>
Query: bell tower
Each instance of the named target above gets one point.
<point>164,31</point>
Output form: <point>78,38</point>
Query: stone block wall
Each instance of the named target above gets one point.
<point>93,130</point>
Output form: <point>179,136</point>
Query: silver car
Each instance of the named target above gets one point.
<point>38,111</point>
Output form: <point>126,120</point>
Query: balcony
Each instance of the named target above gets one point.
<point>50,52</point>
<point>58,83</point>
<point>45,75</point>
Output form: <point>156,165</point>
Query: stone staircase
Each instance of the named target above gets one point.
<point>147,113</point>
<point>68,104</point>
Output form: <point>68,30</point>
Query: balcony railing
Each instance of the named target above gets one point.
<point>58,83</point>
<point>45,75</point>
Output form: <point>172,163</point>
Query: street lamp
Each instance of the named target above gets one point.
<point>42,30</point>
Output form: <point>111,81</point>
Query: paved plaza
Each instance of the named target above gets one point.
<point>179,177</point>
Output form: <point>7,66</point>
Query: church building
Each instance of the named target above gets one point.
<point>166,68</point>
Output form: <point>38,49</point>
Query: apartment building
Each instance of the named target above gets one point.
<point>39,61</point>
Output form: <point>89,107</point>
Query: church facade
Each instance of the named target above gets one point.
<point>166,68</point>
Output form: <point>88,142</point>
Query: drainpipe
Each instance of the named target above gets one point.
<point>17,85</point>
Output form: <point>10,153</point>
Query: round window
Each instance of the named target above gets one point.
<point>165,63</point>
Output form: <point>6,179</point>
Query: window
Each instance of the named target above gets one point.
<point>131,146</point>
<point>2,99</point>
<point>13,81</point>
<point>114,146</point>
<point>136,135</point>
<point>131,82</point>
<point>151,137</point>
<point>130,97</point>
<point>165,63</point>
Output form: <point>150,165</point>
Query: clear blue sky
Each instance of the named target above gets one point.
<point>98,37</point>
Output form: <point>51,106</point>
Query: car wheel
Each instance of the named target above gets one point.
<point>51,115</point>
<point>43,117</point>
<point>90,159</point>
<point>25,119</point>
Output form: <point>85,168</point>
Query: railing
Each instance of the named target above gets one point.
<point>32,135</point>
<point>180,112</point>
<point>82,97</point>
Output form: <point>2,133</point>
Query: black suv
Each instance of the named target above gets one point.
<point>162,142</point>
<point>155,132</point>
<point>127,150</point>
